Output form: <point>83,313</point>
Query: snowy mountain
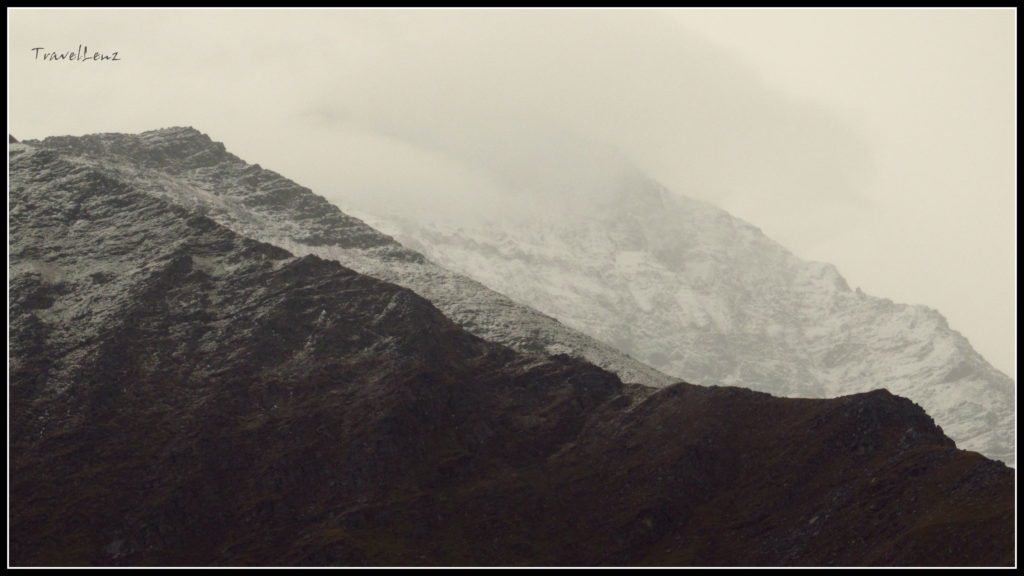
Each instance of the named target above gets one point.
<point>642,273</point>
<point>181,395</point>
<point>698,294</point>
<point>187,168</point>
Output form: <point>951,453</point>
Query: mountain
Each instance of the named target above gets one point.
<point>183,395</point>
<point>701,295</point>
<point>187,168</point>
<point>642,273</point>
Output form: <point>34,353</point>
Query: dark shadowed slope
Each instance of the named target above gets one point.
<point>182,395</point>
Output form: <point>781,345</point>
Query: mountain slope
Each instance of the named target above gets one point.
<point>185,167</point>
<point>698,294</point>
<point>182,395</point>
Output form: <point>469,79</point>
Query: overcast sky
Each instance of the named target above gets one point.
<point>881,141</point>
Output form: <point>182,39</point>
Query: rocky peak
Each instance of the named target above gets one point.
<point>175,150</point>
<point>264,205</point>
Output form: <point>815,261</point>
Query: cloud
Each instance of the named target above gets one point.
<point>457,111</point>
<point>556,105</point>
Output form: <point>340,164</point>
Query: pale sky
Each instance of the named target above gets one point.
<point>881,141</point>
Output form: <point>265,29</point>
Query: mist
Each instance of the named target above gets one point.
<point>469,114</point>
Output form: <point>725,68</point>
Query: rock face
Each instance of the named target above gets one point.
<point>698,294</point>
<point>186,168</point>
<point>183,395</point>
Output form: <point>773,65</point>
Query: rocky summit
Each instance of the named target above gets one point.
<point>183,394</point>
<point>186,168</point>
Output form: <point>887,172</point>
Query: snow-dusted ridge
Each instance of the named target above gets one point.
<point>187,168</point>
<point>699,294</point>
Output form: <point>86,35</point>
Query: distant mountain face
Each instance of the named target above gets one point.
<point>677,284</point>
<point>183,395</point>
<point>704,296</point>
<point>186,168</point>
